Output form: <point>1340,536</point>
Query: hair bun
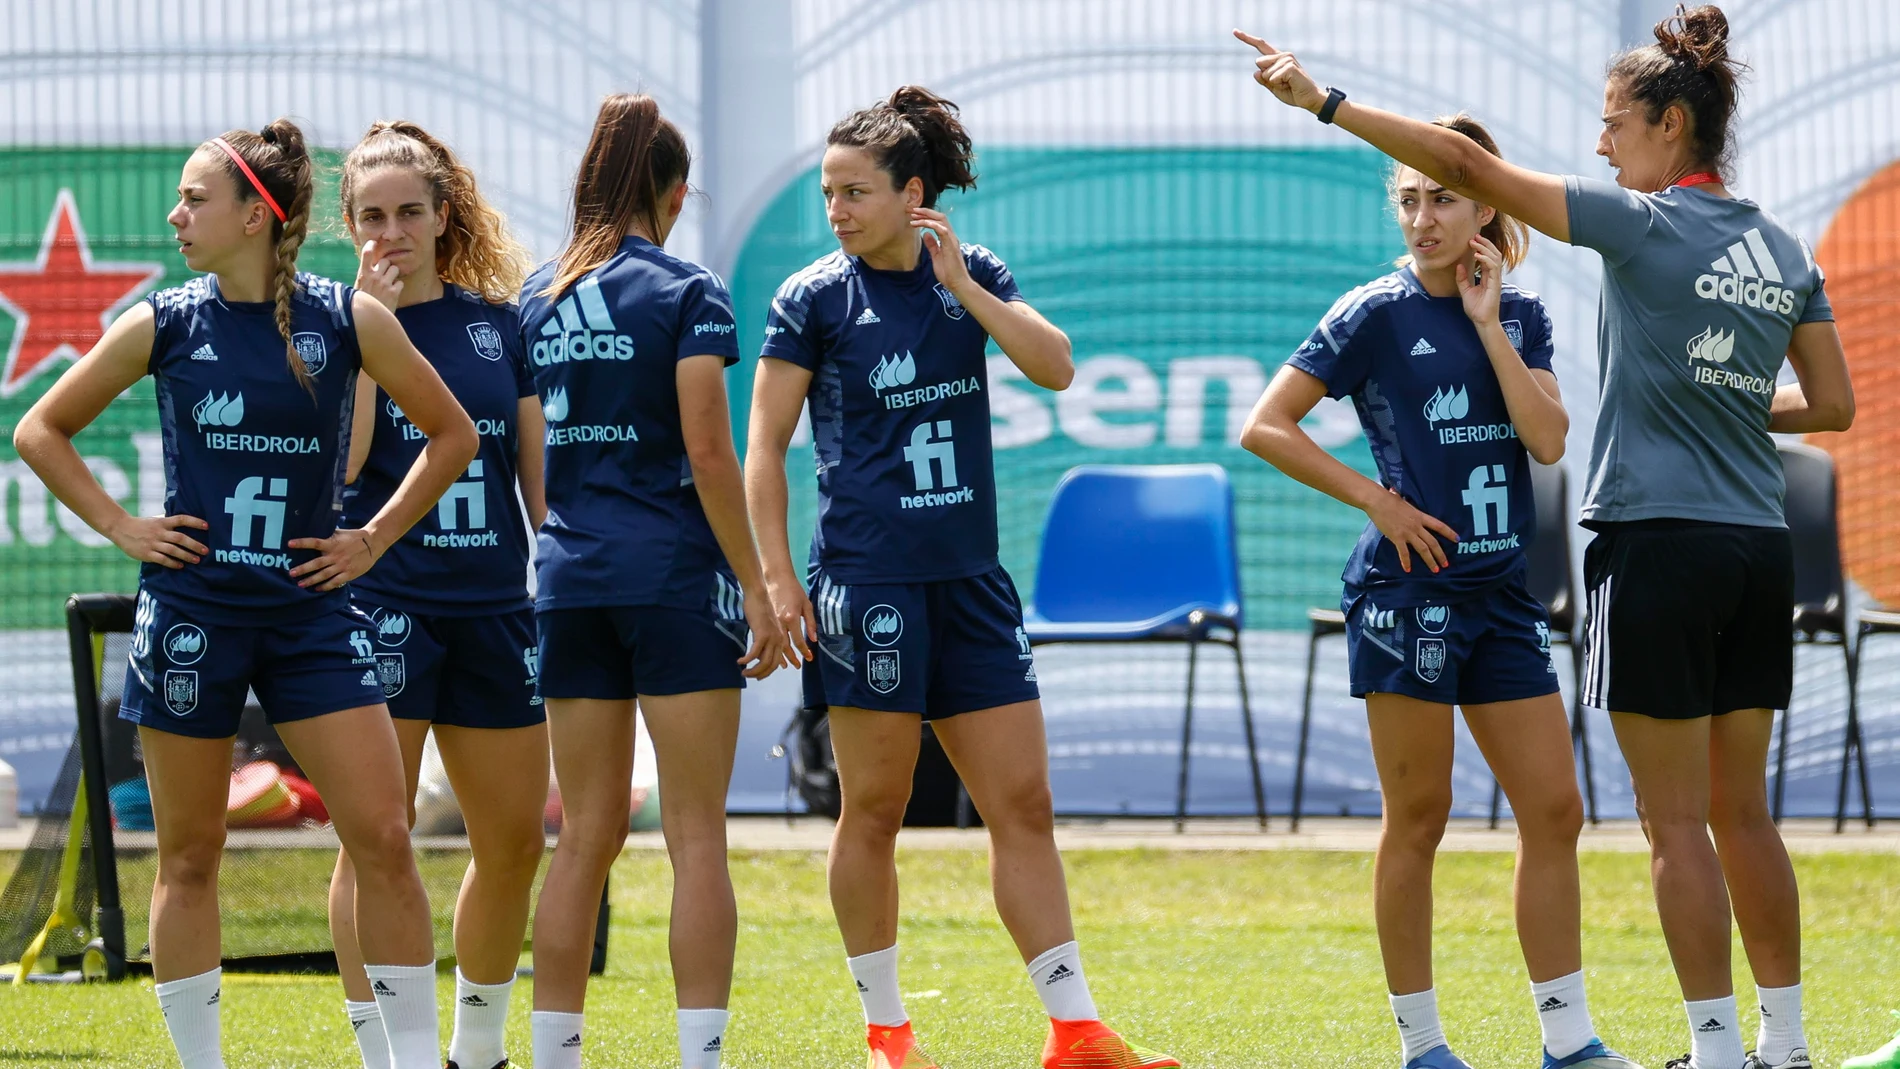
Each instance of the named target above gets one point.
<point>1699,35</point>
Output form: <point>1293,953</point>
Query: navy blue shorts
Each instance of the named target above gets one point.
<point>463,671</point>
<point>616,652</point>
<point>1495,648</point>
<point>938,649</point>
<point>190,678</point>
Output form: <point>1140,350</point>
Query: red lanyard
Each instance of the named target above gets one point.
<point>1700,178</point>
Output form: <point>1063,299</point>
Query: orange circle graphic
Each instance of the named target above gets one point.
<point>1861,255</point>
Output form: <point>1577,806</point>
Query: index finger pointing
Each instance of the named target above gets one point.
<point>1259,45</point>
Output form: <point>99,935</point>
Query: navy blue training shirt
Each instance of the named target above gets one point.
<point>624,523</point>
<point>1433,413</point>
<point>899,414</point>
<point>468,555</point>
<point>247,449</point>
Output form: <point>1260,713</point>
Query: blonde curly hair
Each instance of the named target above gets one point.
<point>476,251</point>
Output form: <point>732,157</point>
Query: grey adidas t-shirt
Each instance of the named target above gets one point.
<point>1701,294</point>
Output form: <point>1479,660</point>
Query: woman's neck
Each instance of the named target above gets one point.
<point>1441,282</point>
<point>901,254</point>
<point>251,276</point>
<point>420,288</point>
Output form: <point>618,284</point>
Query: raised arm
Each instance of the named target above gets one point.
<point>1445,156</point>
<point>44,439</point>
<point>1038,348</point>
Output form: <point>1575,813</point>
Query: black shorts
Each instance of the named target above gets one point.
<point>1686,620</point>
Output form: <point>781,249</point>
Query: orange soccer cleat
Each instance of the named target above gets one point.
<point>1093,1045</point>
<point>895,1047</point>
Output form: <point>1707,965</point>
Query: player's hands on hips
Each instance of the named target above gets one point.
<point>1282,74</point>
<point>158,540</point>
<point>340,558</point>
<point>1481,294</point>
<point>796,619</point>
<point>940,242</point>
<point>770,649</point>
<point>377,276</point>
<point>1411,531</point>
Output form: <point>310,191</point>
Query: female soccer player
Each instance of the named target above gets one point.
<point>911,614</point>
<point>1449,367</point>
<point>637,595</point>
<point>242,580</point>
<point>454,632</point>
<point>1691,576</point>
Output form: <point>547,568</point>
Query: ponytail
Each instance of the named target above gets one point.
<point>633,160</point>
<point>913,134</point>
<point>279,169</point>
<point>476,250</point>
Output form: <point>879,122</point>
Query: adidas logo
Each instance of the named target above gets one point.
<point>380,988</point>
<point>861,987</point>
<point>1423,348</point>
<point>571,1041</point>
<point>1030,676</point>
<point>711,1047</point>
<point>204,353</point>
<point>358,1025</point>
<point>581,329</point>
<point>1552,1003</point>
<point>369,680</point>
<point>1063,972</point>
<point>1401,1021</point>
<point>473,1000</point>
<point>1748,276</point>
<point>867,317</point>
<point>215,995</point>
<point>1710,1025</point>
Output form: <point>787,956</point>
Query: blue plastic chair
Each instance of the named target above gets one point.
<point>1146,554</point>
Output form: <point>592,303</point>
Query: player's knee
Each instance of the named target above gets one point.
<point>1734,815</point>
<point>1417,820</point>
<point>1554,819</point>
<point>191,865</point>
<point>873,815</point>
<point>383,847</point>
<point>596,840</point>
<point>1025,808</point>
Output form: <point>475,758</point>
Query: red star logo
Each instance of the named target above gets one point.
<point>61,302</point>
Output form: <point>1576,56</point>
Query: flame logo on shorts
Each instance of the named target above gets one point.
<point>883,625</point>
<point>185,644</point>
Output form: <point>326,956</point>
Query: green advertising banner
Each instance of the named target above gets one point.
<point>82,237</point>
<point>1184,277</point>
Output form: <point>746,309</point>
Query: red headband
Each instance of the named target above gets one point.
<point>252,175</point>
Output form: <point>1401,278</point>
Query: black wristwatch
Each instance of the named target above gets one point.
<point>1326,110</point>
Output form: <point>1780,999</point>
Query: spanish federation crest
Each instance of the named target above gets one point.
<point>389,672</point>
<point>487,340</point>
<point>1430,662</point>
<point>951,306</point>
<point>309,346</point>
<point>181,691</point>
<point>1514,330</point>
<point>880,670</point>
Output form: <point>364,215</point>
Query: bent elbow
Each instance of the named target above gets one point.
<point>1257,438</point>
<point>1843,414</point>
<point>1061,376</point>
<point>1548,453</point>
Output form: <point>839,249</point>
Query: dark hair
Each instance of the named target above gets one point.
<point>1688,65</point>
<point>914,134</point>
<point>276,155</point>
<point>1509,234</point>
<point>633,159</point>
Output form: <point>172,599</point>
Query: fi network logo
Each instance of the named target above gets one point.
<point>249,503</point>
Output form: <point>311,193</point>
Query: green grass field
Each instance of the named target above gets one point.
<point>1226,960</point>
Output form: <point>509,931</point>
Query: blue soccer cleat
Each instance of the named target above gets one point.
<point>1593,1055</point>
<point>1439,1057</point>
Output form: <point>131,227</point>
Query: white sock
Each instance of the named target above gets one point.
<point>481,1022</point>
<point>1057,974</point>
<point>1715,1037</point>
<point>1417,1018</point>
<point>702,1038</point>
<point>876,974</point>
<point>367,1022</point>
<point>1563,1014</point>
<point>190,1007</point>
<point>555,1039</point>
<point>406,996</point>
<point>1780,1036</point>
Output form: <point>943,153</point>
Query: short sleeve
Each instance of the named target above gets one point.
<point>1337,353</point>
<point>991,273</point>
<point>790,328</point>
<point>1818,309</point>
<point>1606,217</point>
<point>1535,343</point>
<point>162,304</point>
<point>706,325</point>
<point>510,328</point>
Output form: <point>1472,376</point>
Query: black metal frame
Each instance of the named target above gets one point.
<point>1203,626</point>
<point>1853,752</point>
